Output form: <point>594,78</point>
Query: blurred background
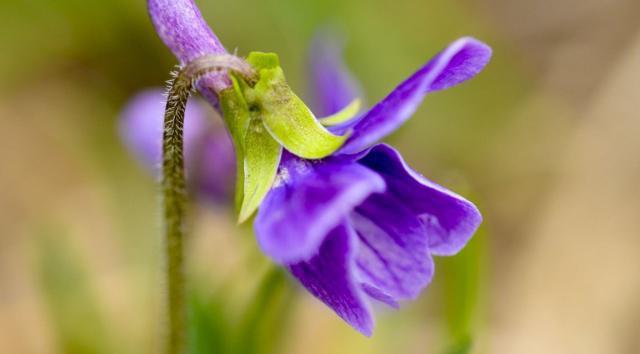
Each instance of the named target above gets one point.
<point>546,141</point>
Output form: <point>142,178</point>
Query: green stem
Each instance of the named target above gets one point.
<point>174,203</point>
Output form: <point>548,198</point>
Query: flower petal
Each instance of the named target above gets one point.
<point>459,62</point>
<point>307,201</point>
<point>181,27</point>
<point>141,127</point>
<point>379,295</point>
<point>332,86</point>
<point>329,277</point>
<point>393,254</point>
<point>447,219</point>
<point>215,172</point>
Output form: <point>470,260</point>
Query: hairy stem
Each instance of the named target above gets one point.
<point>174,203</point>
<point>174,188</point>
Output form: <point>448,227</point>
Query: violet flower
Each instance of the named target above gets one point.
<point>362,224</point>
<point>209,159</point>
<point>359,224</point>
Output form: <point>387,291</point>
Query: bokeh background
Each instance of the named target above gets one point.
<point>546,141</point>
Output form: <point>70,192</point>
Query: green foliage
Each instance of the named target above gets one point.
<point>261,327</point>
<point>80,327</point>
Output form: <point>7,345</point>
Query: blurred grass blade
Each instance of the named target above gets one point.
<point>464,346</point>
<point>463,285</point>
<point>264,324</point>
<point>71,303</point>
<point>207,327</point>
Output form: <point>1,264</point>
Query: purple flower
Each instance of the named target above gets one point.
<point>360,224</point>
<point>208,150</point>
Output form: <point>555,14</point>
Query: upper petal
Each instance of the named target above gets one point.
<point>448,221</point>
<point>329,277</point>
<point>308,200</point>
<point>459,62</point>
<point>332,86</point>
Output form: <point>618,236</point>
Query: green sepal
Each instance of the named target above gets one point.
<point>261,160</point>
<point>236,116</point>
<point>260,60</point>
<point>257,153</point>
<point>261,120</point>
<point>343,115</point>
<point>284,114</point>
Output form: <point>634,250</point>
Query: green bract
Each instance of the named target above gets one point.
<point>265,117</point>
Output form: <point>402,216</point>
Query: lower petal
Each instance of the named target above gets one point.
<point>329,277</point>
<point>447,219</point>
<point>393,258</point>
<point>308,200</point>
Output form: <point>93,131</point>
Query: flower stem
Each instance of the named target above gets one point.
<point>174,203</point>
<point>174,187</point>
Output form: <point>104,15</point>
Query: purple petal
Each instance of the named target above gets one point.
<point>140,128</point>
<point>307,201</point>
<point>329,277</point>
<point>379,295</point>
<point>393,255</point>
<point>181,27</point>
<point>332,86</point>
<point>215,167</point>
<point>459,62</point>
<point>448,220</point>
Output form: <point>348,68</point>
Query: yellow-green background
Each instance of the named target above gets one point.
<point>546,141</point>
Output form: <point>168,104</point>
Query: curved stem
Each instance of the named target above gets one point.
<point>211,62</point>
<point>174,204</point>
<point>174,195</point>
